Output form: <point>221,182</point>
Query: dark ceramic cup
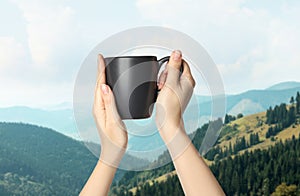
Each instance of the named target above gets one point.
<point>133,81</point>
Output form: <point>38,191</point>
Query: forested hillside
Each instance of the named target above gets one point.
<point>254,155</point>
<point>39,161</point>
<point>253,173</point>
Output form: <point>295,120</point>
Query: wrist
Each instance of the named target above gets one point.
<point>113,156</point>
<point>177,142</point>
<point>169,130</point>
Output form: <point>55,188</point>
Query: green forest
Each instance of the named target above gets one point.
<point>39,161</point>
<point>253,173</point>
<point>273,171</point>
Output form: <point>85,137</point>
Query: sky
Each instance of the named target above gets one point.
<point>254,43</point>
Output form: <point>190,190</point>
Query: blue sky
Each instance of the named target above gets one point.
<point>42,43</point>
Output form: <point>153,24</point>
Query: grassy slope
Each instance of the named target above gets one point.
<point>250,124</point>
<point>246,125</point>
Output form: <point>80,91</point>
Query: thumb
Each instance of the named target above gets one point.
<point>174,65</point>
<point>111,111</point>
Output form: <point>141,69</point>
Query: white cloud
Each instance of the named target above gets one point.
<point>41,69</point>
<point>281,60</point>
<point>254,45</point>
<point>11,53</point>
<point>53,38</point>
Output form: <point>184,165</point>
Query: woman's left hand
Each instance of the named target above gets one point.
<point>110,127</point>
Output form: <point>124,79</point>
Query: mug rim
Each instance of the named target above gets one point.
<point>128,57</point>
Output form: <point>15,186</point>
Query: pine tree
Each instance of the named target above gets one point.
<point>266,186</point>
<point>291,115</point>
<point>298,103</point>
<point>235,183</point>
<point>256,138</point>
<point>230,149</point>
<point>292,100</point>
<point>226,120</point>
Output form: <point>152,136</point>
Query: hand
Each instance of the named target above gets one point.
<point>111,128</point>
<point>176,91</point>
<point>112,133</point>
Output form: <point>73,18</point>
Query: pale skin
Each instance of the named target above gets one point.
<point>175,92</point>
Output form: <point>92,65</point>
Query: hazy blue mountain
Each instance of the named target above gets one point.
<point>61,120</point>
<point>246,106</point>
<point>262,99</point>
<point>284,86</point>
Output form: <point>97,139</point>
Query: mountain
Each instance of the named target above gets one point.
<point>261,99</point>
<point>259,172</point>
<point>61,120</point>
<point>60,106</point>
<point>198,113</point>
<point>39,161</point>
<point>60,117</point>
<point>250,149</point>
<point>246,106</point>
<point>284,86</point>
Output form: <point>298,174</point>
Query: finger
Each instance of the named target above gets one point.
<point>162,79</point>
<point>99,107</point>
<point>173,66</point>
<point>186,74</point>
<point>175,59</point>
<point>101,69</point>
<point>111,111</point>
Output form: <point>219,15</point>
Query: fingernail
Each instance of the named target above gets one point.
<point>104,89</point>
<point>176,55</point>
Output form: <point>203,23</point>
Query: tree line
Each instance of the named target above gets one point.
<point>218,153</point>
<point>228,118</point>
<point>282,116</point>
<point>274,171</point>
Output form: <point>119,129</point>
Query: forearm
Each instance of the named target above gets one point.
<point>100,180</point>
<point>194,175</point>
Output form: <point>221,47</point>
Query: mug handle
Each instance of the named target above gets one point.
<point>165,59</point>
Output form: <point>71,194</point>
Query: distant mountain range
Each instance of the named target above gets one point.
<point>62,120</point>
<point>250,102</point>
<point>254,101</point>
<point>284,86</point>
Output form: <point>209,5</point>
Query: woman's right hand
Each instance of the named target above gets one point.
<point>176,89</point>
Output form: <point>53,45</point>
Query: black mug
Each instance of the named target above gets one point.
<point>133,80</point>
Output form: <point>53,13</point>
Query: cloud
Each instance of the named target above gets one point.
<point>12,53</point>
<point>281,60</point>
<point>254,45</point>
<point>53,38</point>
<point>42,68</point>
